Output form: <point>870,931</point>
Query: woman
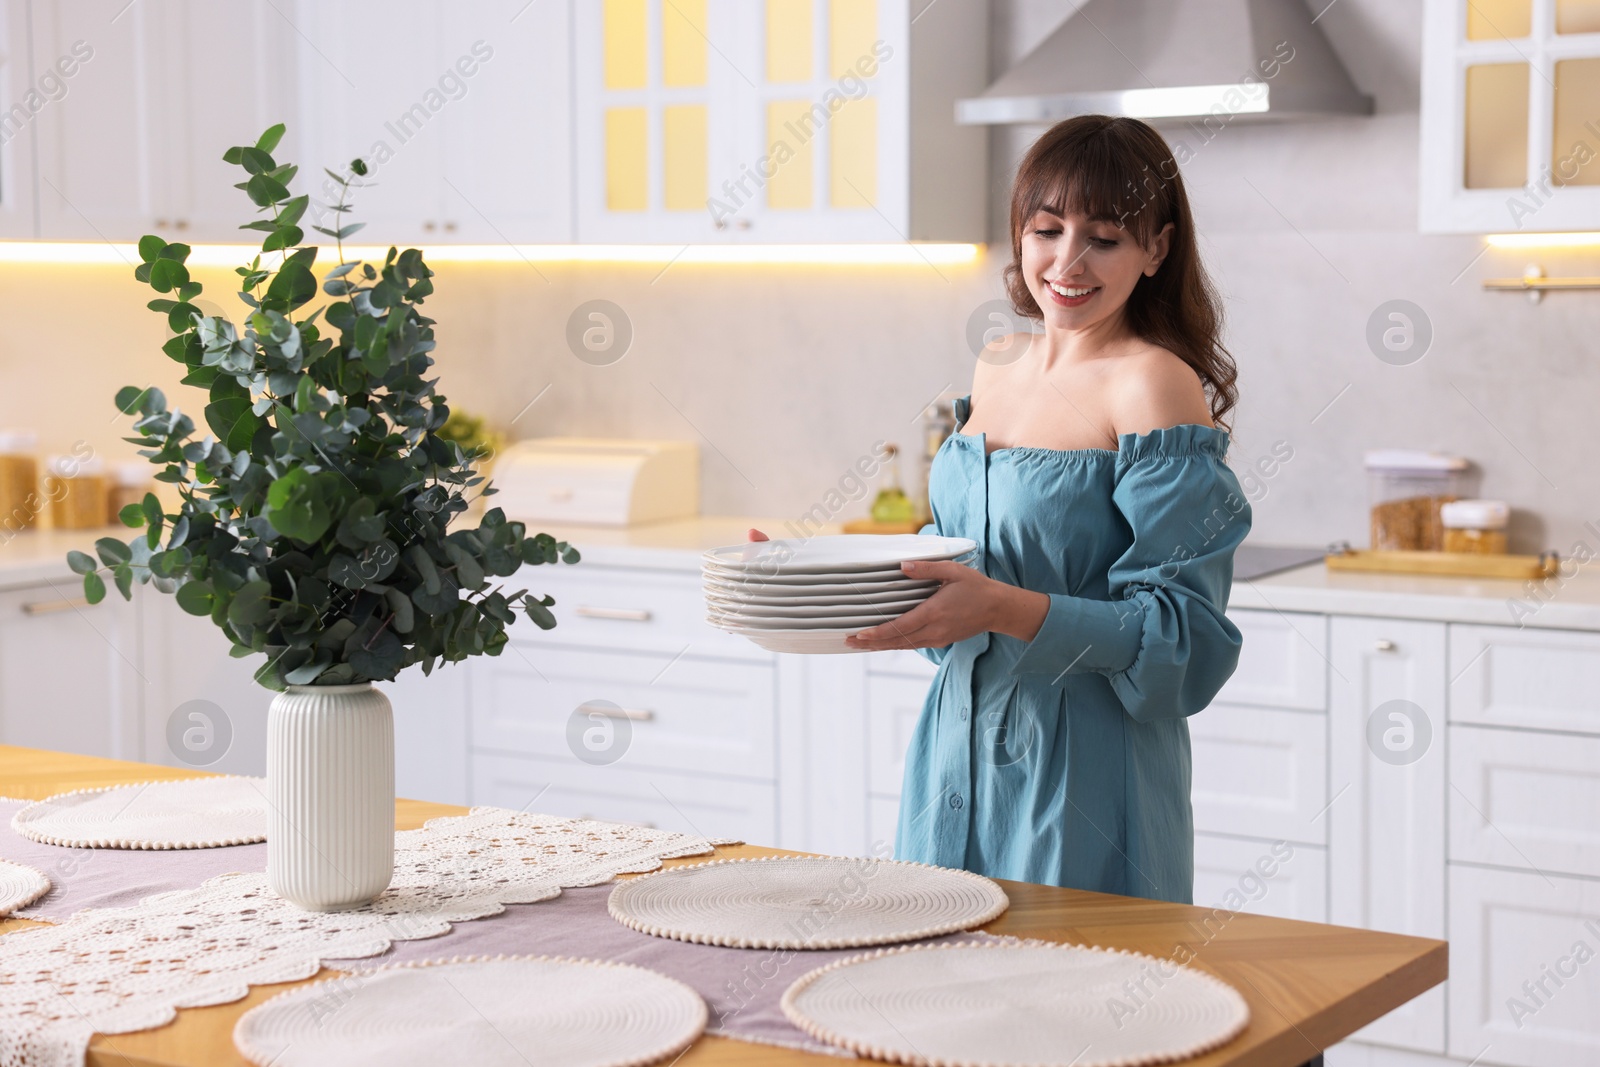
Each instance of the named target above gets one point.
<point>1088,466</point>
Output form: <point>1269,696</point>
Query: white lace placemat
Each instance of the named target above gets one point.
<point>1009,1004</point>
<point>188,813</point>
<point>800,902</point>
<point>507,1011</point>
<point>115,970</point>
<point>20,885</point>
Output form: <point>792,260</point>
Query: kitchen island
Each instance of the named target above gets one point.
<point>1308,985</point>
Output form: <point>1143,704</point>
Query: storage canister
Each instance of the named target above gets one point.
<point>1406,488</point>
<point>1475,525</point>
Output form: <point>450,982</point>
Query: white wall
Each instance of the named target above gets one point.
<point>787,374</point>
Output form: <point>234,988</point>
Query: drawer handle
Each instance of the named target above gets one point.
<point>621,614</point>
<point>1383,644</point>
<point>50,607</point>
<point>613,712</point>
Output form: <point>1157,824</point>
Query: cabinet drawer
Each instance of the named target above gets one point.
<point>619,607</point>
<point>1540,679</point>
<point>1283,663</point>
<point>1524,981</point>
<point>894,704</point>
<point>1261,877</point>
<point>687,803</point>
<point>1260,773</point>
<point>630,709</point>
<point>1524,798</point>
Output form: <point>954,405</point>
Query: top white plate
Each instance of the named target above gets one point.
<point>840,554</point>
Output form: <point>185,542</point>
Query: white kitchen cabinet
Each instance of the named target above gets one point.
<point>686,803</point>
<point>777,121</point>
<point>157,94</point>
<point>1386,812</point>
<point>460,113</point>
<point>1260,772</point>
<point>1525,800</point>
<point>1532,679</point>
<point>1283,662</point>
<point>69,671</point>
<point>1524,968</point>
<point>1509,136</point>
<point>21,98</point>
<point>1277,878</point>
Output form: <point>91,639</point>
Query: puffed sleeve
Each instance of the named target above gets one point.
<point>1162,639</point>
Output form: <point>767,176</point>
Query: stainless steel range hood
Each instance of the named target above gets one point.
<point>1222,60</point>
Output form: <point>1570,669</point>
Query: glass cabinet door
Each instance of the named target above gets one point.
<point>1511,116</point>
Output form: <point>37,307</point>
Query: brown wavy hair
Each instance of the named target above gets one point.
<point>1120,170</point>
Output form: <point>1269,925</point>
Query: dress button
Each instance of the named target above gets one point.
<point>955,801</point>
<point>963,713</point>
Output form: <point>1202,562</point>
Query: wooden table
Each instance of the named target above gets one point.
<point>1308,985</point>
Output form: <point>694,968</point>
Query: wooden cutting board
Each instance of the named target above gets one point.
<point>1457,564</point>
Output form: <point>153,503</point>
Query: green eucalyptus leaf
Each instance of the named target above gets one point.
<point>112,552</point>
<point>150,247</point>
<point>94,588</point>
<point>81,562</point>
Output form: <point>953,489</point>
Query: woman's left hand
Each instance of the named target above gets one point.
<point>967,602</point>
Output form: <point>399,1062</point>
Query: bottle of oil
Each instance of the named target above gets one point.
<point>891,503</point>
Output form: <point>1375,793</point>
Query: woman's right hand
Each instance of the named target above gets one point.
<point>754,534</point>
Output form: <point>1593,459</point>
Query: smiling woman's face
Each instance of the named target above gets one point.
<point>1081,271</point>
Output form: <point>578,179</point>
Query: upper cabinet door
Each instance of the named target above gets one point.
<point>97,159</point>
<point>220,75</point>
<point>508,132</point>
<point>21,99</point>
<point>1510,140</point>
<point>372,91</point>
<point>778,121</point>
<point>653,121</point>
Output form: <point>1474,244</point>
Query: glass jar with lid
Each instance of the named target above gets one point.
<point>19,480</point>
<point>1406,488</point>
<point>1475,526</point>
<point>78,492</point>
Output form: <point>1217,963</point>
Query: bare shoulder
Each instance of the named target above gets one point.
<point>1153,389</point>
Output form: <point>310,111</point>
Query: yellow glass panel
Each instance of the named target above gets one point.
<point>852,28</point>
<point>1574,159</point>
<point>683,42</point>
<point>1491,20</point>
<point>792,129</point>
<point>1497,126</point>
<point>854,156</point>
<point>627,159</point>
<point>625,29</point>
<point>789,41</point>
<point>1578,16</point>
<point>685,157</point>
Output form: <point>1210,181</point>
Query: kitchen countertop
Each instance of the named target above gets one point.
<point>1308,985</point>
<point>1569,600</point>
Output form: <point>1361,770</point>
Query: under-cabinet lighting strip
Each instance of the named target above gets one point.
<point>1543,240</point>
<point>216,255</point>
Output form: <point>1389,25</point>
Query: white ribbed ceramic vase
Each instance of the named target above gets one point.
<point>330,777</point>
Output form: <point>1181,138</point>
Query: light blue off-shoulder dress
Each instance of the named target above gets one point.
<point>1065,760</point>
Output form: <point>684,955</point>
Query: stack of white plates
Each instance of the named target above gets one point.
<point>808,595</point>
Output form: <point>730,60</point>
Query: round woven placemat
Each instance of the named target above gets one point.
<point>803,902</point>
<point>1015,1004</point>
<point>501,1011</point>
<point>20,885</point>
<point>189,813</point>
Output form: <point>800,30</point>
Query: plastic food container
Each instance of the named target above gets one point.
<point>1406,488</point>
<point>78,492</point>
<point>131,483</point>
<point>1475,526</point>
<point>19,480</point>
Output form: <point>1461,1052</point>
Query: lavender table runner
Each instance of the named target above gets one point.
<point>741,987</point>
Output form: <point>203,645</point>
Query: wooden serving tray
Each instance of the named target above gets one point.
<point>873,526</point>
<point>1459,564</point>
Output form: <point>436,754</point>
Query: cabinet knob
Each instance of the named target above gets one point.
<point>50,607</point>
<point>429,225</point>
<point>450,226</point>
<point>744,224</point>
<point>721,224</point>
<point>162,224</point>
<point>1383,644</point>
<point>620,614</point>
<point>180,224</point>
